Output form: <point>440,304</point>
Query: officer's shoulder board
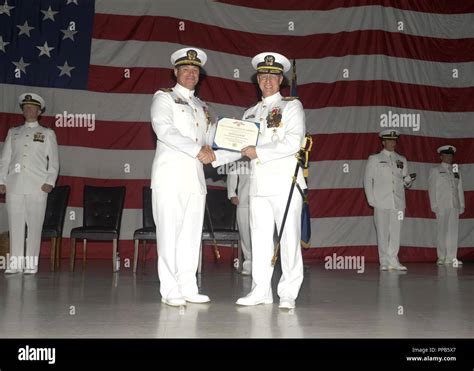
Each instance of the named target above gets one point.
<point>166,90</point>
<point>289,99</point>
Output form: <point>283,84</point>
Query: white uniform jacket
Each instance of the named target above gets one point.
<point>385,180</point>
<point>182,126</point>
<point>29,159</point>
<point>445,188</point>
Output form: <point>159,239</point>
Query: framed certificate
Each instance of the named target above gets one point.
<point>233,135</point>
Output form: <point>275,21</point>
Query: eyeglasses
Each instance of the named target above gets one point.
<point>269,76</point>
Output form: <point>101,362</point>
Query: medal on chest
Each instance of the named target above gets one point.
<point>274,121</point>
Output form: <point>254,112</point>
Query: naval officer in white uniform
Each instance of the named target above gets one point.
<point>273,163</point>
<point>238,184</point>
<point>182,126</point>
<point>386,177</point>
<point>28,171</point>
<point>447,202</point>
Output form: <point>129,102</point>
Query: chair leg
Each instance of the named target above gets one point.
<point>200,259</point>
<point>72,255</point>
<point>114,255</point>
<point>59,242</point>
<point>135,256</point>
<point>145,253</point>
<point>84,253</point>
<point>53,253</point>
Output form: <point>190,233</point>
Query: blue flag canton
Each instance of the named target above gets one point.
<point>46,42</point>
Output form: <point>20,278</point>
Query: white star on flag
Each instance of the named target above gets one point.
<point>49,14</point>
<point>3,44</point>
<point>21,65</point>
<point>25,29</point>
<point>65,69</point>
<point>5,8</point>
<point>45,49</point>
<point>69,34</point>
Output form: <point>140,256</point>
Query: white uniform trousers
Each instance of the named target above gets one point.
<point>29,209</point>
<point>265,211</point>
<point>388,224</point>
<point>178,218</point>
<point>243,215</point>
<point>447,221</point>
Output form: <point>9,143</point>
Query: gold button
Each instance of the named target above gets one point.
<point>197,124</point>
<point>196,139</point>
<point>182,110</point>
<point>195,110</point>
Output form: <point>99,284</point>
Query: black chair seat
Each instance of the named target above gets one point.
<point>221,235</point>
<point>147,233</point>
<point>94,233</point>
<point>50,233</point>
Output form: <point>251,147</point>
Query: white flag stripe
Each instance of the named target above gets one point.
<point>136,108</point>
<point>306,22</point>
<point>132,53</point>
<point>360,231</point>
<point>350,174</point>
<point>136,165</point>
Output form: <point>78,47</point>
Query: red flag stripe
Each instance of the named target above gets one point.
<point>148,28</point>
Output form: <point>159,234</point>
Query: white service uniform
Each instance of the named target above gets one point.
<point>447,202</point>
<point>386,176</point>
<point>178,187</point>
<point>270,182</point>
<point>238,186</point>
<point>29,160</point>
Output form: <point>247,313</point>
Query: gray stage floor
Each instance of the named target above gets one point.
<point>427,302</point>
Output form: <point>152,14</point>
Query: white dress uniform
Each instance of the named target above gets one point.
<point>447,202</point>
<point>386,176</point>
<point>270,182</point>
<point>238,186</point>
<point>282,132</point>
<point>29,160</point>
<point>180,121</point>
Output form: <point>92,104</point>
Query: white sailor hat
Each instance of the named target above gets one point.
<point>31,98</point>
<point>447,149</point>
<point>389,134</point>
<point>188,56</point>
<point>270,62</point>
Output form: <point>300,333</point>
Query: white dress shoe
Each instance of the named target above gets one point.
<point>30,271</point>
<point>250,300</point>
<point>197,298</point>
<point>397,267</point>
<point>286,303</point>
<point>174,302</point>
<point>384,267</point>
<point>13,271</point>
<point>440,261</point>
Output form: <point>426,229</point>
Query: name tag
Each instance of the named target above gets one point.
<point>38,137</point>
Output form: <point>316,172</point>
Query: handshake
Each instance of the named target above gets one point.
<point>206,155</point>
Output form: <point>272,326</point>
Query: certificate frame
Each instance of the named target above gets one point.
<point>234,134</point>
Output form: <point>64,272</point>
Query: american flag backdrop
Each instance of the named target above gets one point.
<point>361,64</point>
